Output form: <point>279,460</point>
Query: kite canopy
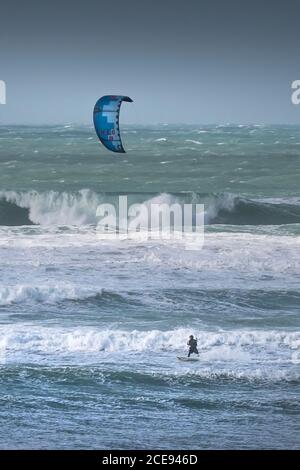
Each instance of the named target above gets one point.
<point>106,121</point>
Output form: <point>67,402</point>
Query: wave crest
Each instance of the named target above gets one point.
<point>79,208</point>
<point>211,345</point>
<point>45,294</point>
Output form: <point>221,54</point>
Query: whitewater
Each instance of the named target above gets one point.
<point>90,329</point>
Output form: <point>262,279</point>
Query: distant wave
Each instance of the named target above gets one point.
<point>79,208</point>
<point>183,376</point>
<point>23,293</point>
<point>201,375</point>
<point>46,294</point>
<point>235,210</point>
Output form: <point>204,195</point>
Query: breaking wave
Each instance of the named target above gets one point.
<point>219,345</point>
<point>45,294</point>
<point>79,208</point>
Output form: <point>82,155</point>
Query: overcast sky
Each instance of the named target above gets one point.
<point>187,61</point>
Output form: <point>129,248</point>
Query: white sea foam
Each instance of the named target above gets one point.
<point>44,294</point>
<point>197,142</point>
<point>56,208</point>
<point>238,346</point>
<point>243,253</point>
<point>213,207</point>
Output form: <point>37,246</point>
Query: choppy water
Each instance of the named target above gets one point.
<point>90,329</point>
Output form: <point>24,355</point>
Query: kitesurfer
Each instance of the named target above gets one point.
<point>192,343</point>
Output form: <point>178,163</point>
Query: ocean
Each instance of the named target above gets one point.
<point>90,328</point>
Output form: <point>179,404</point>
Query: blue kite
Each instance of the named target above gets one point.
<point>106,121</point>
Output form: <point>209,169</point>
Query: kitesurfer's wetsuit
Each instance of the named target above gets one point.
<point>192,347</point>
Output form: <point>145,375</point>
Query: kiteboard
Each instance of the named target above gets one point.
<point>188,359</point>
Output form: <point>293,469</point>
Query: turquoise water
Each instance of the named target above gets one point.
<point>90,329</point>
